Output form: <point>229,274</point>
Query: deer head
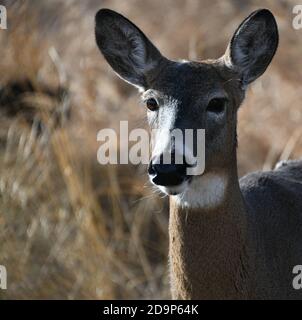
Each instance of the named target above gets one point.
<point>188,94</point>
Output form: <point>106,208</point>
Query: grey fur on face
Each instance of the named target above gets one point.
<point>185,89</point>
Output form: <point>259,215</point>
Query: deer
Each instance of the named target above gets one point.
<point>229,238</point>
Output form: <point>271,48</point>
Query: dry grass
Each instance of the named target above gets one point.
<point>70,228</point>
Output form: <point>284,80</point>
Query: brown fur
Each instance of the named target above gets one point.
<point>209,254</point>
<point>246,247</point>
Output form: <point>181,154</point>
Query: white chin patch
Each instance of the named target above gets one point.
<point>174,190</point>
<point>206,191</point>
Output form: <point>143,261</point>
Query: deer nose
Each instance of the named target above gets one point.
<point>167,174</point>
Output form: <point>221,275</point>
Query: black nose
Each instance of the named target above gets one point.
<point>167,174</point>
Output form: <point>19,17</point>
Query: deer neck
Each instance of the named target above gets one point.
<point>208,247</point>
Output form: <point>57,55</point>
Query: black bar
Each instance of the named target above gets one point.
<point>132,309</point>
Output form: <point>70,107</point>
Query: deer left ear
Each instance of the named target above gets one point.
<point>253,45</point>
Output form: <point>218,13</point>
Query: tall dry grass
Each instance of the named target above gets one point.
<point>69,227</point>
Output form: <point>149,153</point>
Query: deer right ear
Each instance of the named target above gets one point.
<point>253,45</point>
<point>128,51</point>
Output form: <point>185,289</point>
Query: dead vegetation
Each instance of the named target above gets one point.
<point>69,227</point>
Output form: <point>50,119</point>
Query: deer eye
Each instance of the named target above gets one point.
<point>152,104</point>
<point>217,105</point>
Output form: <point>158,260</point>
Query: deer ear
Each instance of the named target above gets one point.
<point>128,51</point>
<point>253,45</point>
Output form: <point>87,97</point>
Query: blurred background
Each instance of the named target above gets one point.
<point>69,227</point>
